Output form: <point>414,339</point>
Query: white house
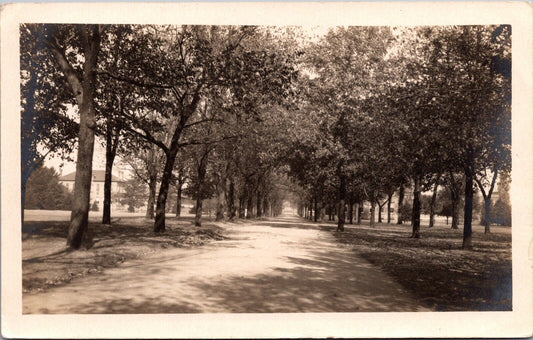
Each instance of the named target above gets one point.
<point>97,186</point>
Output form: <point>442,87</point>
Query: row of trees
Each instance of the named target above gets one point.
<point>157,94</point>
<point>397,107</point>
<point>243,113</point>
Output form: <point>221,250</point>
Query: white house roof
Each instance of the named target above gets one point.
<point>98,176</point>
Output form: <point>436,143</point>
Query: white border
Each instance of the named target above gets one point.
<point>517,323</point>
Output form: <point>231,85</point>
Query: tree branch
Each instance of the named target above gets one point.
<point>143,84</point>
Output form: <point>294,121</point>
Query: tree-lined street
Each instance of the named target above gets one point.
<point>380,132</point>
<point>276,266</point>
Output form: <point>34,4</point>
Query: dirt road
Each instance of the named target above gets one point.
<point>283,265</point>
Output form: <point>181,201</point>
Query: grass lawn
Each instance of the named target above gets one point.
<point>435,268</point>
<point>46,260</point>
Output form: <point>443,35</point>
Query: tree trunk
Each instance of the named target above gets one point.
<point>231,200</point>
<point>360,213</point>
<point>469,199</point>
<point>486,197</point>
<point>249,205</point>
<point>342,200</point>
<point>372,212</point>
<point>22,199</point>
<point>389,202</point>
<point>219,215</point>
<point>350,211</point>
<point>455,209</point>
<point>152,187</point>
<point>266,207</point>
<point>432,204</point>
<point>201,172</point>
<point>356,211</point>
<point>487,214</point>
<point>258,205</point>
<point>110,157</point>
<point>159,224</point>
<point>400,204</point>
<point>380,210</point>
<point>241,207</point>
<point>198,213</point>
<point>317,210</point>
<point>178,197</point>
<point>416,209</point>
<point>82,185</point>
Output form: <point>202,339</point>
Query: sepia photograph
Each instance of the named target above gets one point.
<point>229,170</point>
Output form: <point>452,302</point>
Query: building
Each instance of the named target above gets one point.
<point>97,187</point>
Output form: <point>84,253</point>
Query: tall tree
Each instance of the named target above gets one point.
<point>68,44</point>
<point>47,128</point>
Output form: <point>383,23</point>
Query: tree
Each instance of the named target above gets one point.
<point>189,62</point>
<point>46,127</point>
<point>134,194</point>
<point>501,211</point>
<point>475,92</point>
<point>112,100</point>
<point>68,44</point>
<point>344,65</point>
<point>45,192</point>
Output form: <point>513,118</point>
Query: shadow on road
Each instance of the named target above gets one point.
<point>320,281</point>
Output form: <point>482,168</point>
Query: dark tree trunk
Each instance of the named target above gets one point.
<point>486,198</point>
<point>469,199</point>
<point>24,179</point>
<point>109,159</point>
<point>249,205</point>
<point>487,214</point>
<point>455,209</point>
<point>231,199</point>
<point>350,211</point>
<point>400,204</point>
<point>219,215</point>
<point>455,196</point>
<point>317,210</point>
<point>432,203</point>
<point>85,97</point>
<point>242,214</point>
<point>372,212</point>
<point>159,224</point>
<point>178,197</point>
<point>416,209</point>
<point>266,207</point>
<point>360,212</point>
<point>389,202</point>
<point>198,213</point>
<point>341,204</point>
<point>202,171</point>
<point>380,211</point>
<point>258,205</point>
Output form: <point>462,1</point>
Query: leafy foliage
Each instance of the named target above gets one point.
<point>43,191</point>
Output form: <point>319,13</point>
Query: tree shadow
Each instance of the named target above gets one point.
<point>320,282</point>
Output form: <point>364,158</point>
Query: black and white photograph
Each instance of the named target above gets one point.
<point>237,169</point>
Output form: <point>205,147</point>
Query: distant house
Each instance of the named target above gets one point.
<point>97,186</point>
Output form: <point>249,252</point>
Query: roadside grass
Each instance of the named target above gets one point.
<point>47,262</point>
<point>435,268</point>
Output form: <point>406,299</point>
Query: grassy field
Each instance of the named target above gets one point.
<point>435,268</point>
